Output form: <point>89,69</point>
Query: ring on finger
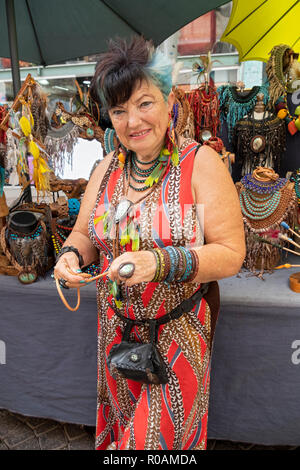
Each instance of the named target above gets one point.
<point>62,283</point>
<point>126,270</point>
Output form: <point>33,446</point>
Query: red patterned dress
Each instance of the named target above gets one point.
<point>132,415</point>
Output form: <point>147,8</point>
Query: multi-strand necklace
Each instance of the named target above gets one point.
<point>144,176</point>
<point>258,208</point>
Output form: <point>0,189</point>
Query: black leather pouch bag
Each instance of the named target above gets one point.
<point>138,361</point>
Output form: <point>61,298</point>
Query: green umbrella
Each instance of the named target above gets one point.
<point>52,31</point>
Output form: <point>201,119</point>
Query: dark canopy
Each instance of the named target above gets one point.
<point>52,31</point>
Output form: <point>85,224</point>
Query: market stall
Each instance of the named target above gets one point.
<point>50,353</point>
<point>51,370</point>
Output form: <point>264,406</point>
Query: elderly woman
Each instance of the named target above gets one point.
<point>147,209</point>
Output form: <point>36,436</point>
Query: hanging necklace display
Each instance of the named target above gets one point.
<point>204,101</point>
<point>205,105</point>
<point>278,70</point>
<point>266,201</point>
<point>24,242</point>
<point>259,142</point>
<point>26,132</point>
<point>60,143</point>
<point>234,106</point>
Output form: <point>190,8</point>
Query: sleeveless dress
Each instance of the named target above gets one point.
<point>133,415</point>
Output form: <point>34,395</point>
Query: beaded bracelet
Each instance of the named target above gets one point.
<point>157,272</point>
<point>167,262</point>
<point>175,264</point>
<point>195,266</point>
<point>162,264</point>
<point>174,258</point>
<point>183,263</point>
<point>189,264</point>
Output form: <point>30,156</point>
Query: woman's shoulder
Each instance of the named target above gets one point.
<point>108,162</point>
<point>205,155</point>
<point>185,143</point>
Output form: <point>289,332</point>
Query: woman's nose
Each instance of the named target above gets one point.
<point>134,118</point>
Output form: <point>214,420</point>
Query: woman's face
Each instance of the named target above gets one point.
<point>142,121</point>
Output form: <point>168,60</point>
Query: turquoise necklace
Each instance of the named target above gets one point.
<point>150,175</point>
<point>144,163</point>
<point>296,180</point>
<point>143,172</point>
<point>255,208</point>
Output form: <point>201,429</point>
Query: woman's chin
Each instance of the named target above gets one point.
<point>149,147</point>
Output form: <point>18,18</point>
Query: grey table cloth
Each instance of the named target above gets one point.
<point>50,366</point>
<point>255,380</point>
<point>48,357</point>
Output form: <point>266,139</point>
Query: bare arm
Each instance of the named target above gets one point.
<point>224,249</point>
<point>79,237</point>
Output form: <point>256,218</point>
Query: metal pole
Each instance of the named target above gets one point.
<point>15,69</point>
<point>13,45</point>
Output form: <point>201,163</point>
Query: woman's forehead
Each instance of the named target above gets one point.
<point>145,87</point>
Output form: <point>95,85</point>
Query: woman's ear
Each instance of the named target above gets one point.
<point>171,101</point>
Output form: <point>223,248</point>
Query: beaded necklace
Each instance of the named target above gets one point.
<point>255,209</point>
<point>150,175</point>
<point>141,171</point>
<point>234,106</point>
<point>296,179</point>
<point>37,232</point>
<point>141,162</point>
<point>262,187</point>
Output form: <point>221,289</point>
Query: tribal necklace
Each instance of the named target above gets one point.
<point>258,208</point>
<point>262,187</point>
<point>147,176</point>
<point>234,106</point>
<point>295,178</point>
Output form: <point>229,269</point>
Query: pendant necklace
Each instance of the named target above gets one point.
<point>131,231</point>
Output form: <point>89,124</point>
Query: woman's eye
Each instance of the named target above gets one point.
<point>146,104</point>
<point>117,112</point>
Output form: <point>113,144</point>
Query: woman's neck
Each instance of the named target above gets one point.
<point>151,155</point>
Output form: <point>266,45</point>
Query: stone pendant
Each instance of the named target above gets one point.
<point>122,210</point>
<point>258,143</point>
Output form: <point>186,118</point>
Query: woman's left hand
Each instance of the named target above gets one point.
<point>144,267</point>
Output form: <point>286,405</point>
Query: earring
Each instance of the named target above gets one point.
<point>171,142</point>
<point>121,158</point>
<point>109,140</point>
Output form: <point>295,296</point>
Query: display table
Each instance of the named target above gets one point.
<point>50,365</point>
<point>51,353</point>
<point>255,379</point>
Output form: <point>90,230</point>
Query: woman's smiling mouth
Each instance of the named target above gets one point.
<point>139,135</point>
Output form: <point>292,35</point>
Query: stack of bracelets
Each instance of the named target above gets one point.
<point>175,264</point>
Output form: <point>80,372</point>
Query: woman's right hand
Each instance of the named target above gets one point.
<point>66,265</point>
